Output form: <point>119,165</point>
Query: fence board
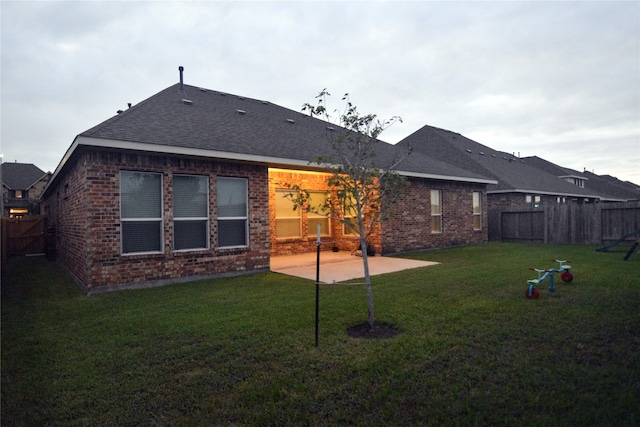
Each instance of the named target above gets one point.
<point>565,224</point>
<point>25,235</point>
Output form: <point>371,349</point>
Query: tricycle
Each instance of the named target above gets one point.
<point>565,274</point>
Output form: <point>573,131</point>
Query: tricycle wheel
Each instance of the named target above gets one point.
<point>534,295</point>
<point>566,276</point>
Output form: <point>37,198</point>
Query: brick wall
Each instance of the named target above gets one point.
<point>278,179</point>
<point>408,228</point>
<point>85,209</point>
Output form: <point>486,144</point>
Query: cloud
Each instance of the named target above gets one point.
<point>553,79</point>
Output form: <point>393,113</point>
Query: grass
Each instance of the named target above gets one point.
<point>240,351</point>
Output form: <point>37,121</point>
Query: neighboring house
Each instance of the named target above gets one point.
<point>521,182</point>
<point>22,185</point>
<point>606,188</point>
<point>188,184</point>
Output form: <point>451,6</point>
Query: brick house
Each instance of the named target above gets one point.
<point>188,184</point>
<point>529,182</point>
<point>22,185</point>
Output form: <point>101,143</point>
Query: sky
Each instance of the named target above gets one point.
<point>557,80</point>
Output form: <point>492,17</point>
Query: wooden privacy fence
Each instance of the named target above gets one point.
<point>23,236</point>
<point>599,223</point>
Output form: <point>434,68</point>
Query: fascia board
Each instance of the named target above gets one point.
<point>37,180</point>
<point>169,149</point>
<point>447,177</point>
<point>548,193</point>
<point>574,176</point>
<point>63,162</point>
<point>199,152</point>
<point>186,151</point>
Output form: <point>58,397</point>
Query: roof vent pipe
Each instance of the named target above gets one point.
<point>181,69</point>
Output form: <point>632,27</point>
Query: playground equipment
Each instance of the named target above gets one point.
<point>620,240</point>
<point>565,275</point>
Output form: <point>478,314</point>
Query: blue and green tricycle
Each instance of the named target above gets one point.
<point>565,274</point>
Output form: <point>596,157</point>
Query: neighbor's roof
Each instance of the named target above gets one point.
<point>21,176</point>
<point>610,185</point>
<point>606,187</point>
<point>512,173</point>
<point>213,124</point>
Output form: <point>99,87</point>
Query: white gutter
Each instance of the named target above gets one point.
<point>549,193</point>
<point>447,177</point>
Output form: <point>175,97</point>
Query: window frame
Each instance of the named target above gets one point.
<point>279,195</point>
<point>439,214</point>
<point>192,219</point>
<point>313,232</point>
<point>477,213</point>
<point>350,217</point>
<point>159,220</point>
<point>233,218</point>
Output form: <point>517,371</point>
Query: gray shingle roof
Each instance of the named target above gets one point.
<point>612,187</point>
<point>218,122</point>
<point>511,172</point>
<point>20,176</point>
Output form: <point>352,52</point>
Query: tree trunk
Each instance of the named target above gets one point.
<point>367,280</point>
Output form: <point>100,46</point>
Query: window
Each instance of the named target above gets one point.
<point>190,212</point>
<point>477,210</point>
<point>350,230</point>
<point>316,200</point>
<point>288,219</point>
<point>436,211</point>
<point>232,212</point>
<point>350,216</point>
<point>141,212</point>
<point>534,201</point>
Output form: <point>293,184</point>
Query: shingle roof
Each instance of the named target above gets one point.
<point>613,187</point>
<point>511,172</point>
<point>220,124</point>
<point>20,176</point>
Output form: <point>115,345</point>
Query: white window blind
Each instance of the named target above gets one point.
<point>477,210</point>
<point>190,212</point>
<point>316,200</point>
<point>288,219</point>
<point>141,212</point>
<point>232,202</point>
<point>436,211</point>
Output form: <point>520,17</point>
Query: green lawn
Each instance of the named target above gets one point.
<point>240,351</point>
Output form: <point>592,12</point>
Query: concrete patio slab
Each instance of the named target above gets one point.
<point>337,267</point>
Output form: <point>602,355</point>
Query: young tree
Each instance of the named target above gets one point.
<point>363,185</point>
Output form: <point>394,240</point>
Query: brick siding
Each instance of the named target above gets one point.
<point>408,228</point>
<point>311,181</point>
<point>85,210</point>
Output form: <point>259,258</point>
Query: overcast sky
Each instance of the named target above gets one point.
<point>559,80</point>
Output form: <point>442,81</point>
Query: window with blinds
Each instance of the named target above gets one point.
<point>190,212</point>
<point>232,201</point>
<point>317,199</point>
<point>436,211</point>
<point>288,218</point>
<point>477,210</point>
<point>141,212</point>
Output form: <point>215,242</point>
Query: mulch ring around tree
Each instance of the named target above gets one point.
<point>377,331</point>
